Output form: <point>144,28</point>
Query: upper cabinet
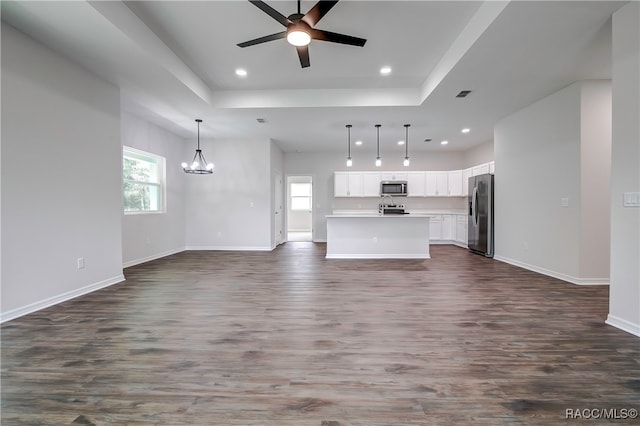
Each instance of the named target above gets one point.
<point>466,174</point>
<point>453,183</point>
<point>347,184</point>
<point>371,184</point>
<point>437,184</point>
<point>395,176</point>
<point>416,184</point>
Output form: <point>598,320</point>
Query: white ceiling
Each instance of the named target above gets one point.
<point>175,61</point>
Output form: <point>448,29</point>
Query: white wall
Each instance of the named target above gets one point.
<point>150,236</point>
<point>480,154</point>
<point>595,178</point>
<point>231,208</point>
<point>624,291</point>
<point>555,149</point>
<point>61,178</point>
<point>538,152</point>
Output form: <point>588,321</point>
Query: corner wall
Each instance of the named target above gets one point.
<point>150,236</point>
<point>61,178</point>
<point>624,291</point>
<point>552,184</point>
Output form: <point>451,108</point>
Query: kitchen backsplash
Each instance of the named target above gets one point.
<point>431,204</point>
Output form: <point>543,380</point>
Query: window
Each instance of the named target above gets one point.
<point>300,194</point>
<point>143,181</point>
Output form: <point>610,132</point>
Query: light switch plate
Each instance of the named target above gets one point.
<point>631,199</point>
<point>564,202</point>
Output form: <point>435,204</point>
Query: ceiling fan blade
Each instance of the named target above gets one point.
<point>318,11</point>
<point>264,39</point>
<point>271,12</point>
<point>303,53</point>
<point>337,38</point>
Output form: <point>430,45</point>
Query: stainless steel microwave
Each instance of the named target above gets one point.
<point>394,188</point>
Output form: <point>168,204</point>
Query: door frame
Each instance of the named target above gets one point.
<point>313,197</point>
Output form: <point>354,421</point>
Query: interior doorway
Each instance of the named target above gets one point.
<point>299,208</point>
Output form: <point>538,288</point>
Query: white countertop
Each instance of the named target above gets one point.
<point>361,215</point>
<point>371,212</point>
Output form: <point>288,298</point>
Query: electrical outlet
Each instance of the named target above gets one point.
<point>81,263</point>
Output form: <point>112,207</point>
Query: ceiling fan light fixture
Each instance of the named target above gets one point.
<point>298,36</point>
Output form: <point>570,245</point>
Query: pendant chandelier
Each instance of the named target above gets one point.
<point>349,160</point>
<point>199,165</point>
<point>406,145</point>
<point>378,159</point>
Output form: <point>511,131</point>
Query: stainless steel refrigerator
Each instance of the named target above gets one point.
<point>480,228</point>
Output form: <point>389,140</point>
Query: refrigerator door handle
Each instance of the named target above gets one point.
<point>474,205</point>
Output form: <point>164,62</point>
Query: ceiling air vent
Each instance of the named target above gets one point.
<point>261,120</point>
<point>463,93</point>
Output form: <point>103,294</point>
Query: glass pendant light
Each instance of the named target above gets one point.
<point>378,159</point>
<point>349,160</point>
<point>199,165</point>
<point>406,145</point>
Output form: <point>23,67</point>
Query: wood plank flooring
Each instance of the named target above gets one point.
<point>290,338</point>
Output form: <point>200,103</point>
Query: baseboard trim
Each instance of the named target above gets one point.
<point>230,248</point>
<point>150,258</point>
<point>37,306</point>
<point>554,274</point>
<point>623,325</point>
<point>377,256</point>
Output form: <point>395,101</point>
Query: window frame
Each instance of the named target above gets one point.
<point>161,177</point>
<point>293,197</point>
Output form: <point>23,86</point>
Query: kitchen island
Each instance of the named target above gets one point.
<point>377,236</point>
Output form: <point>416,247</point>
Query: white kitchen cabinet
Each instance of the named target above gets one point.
<point>466,174</point>
<point>454,179</point>
<point>461,229</point>
<point>416,184</point>
<point>436,184</point>
<point>371,184</point>
<point>447,227</point>
<point>435,228</point>
<point>480,169</point>
<point>394,176</point>
<point>347,184</point>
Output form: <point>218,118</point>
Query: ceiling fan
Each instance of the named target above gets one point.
<point>300,29</point>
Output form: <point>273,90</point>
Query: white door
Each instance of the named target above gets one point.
<point>278,219</point>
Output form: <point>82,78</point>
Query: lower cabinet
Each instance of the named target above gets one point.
<point>461,229</point>
<point>447,228</point>
<point>435,228</point>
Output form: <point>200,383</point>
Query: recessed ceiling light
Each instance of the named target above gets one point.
<point>400,142</point>
<point>444,142</point>
<point>358,143</point>
<point>241,72</point>
<point>385,70</point>
<point>466,130</point>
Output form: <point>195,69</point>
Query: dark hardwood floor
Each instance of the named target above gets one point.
<point>290,338</point>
